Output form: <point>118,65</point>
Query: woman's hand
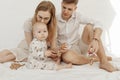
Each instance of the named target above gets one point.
<point>94,46</point>
<point>50,53</point>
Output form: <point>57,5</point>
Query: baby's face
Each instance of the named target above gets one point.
<point>41,33</point>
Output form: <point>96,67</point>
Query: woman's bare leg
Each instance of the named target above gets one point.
<point>6,56</point>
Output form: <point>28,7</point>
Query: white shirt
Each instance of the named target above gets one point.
<point>37,48</point>
<point>68,31</point>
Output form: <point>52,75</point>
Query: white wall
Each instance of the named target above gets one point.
<point>115,29</point>
<point>13,13</point>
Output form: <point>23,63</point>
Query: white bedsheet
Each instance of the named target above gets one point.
<point>82,72</point>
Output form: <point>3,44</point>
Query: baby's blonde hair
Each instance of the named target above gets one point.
<point>38,24</point>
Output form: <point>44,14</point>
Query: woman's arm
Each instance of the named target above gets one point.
<point>53,45</point>
<point>28,30</point>
<point>28,37</point>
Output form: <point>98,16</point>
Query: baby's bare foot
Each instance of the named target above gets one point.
<point>108,67</point>
<point>15,66</point>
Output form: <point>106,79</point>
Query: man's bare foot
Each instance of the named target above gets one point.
<point>108,67</point>
<point>109,58</point>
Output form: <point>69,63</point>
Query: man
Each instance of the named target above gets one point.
<point>69,25</point>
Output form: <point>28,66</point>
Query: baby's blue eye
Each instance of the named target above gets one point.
<point>45,31</point>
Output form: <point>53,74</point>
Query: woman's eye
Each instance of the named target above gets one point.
<point>40,17</point>
<point>39,31</point>
<point>46,18</point>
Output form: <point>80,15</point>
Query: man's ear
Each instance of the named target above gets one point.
<point>61,3</point>
<point>75,7</point>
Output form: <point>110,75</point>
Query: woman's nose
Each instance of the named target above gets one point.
<point>42,20</point>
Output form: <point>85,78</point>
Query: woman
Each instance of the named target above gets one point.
<point>45,12</point>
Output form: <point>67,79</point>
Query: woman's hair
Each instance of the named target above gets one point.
<point>70,1</point>
<point>51,25</point>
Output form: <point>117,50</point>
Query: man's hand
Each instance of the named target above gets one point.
<point>94,45</point>
<point>63,48</point>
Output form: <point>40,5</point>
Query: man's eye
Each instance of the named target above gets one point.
<point>39,31</point>
<point>70,9</point>
<point>64,7</point>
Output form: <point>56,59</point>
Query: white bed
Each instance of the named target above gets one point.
<point>81,72</point>
<point>12,9</point>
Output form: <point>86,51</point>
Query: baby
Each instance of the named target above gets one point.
<point>37,51</point>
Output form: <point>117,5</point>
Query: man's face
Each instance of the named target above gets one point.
<point>67,10</point>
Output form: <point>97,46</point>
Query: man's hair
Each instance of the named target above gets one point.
<point>70,1</point>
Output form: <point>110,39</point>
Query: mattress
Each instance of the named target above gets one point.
<point>77,72</point>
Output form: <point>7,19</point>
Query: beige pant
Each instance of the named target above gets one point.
<point>21,52</point>
<point>79,47</point>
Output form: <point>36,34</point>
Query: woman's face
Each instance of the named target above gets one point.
<point>43,16</point>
